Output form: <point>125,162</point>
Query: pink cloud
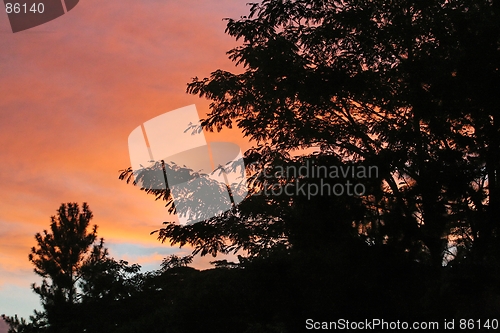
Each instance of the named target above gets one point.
<point>73,89</point>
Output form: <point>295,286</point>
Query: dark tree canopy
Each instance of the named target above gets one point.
<point>408,86</point>
<point>61,253</point>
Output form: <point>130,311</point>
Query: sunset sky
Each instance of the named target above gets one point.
<point>71,91</point>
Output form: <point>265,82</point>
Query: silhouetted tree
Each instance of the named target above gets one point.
<point>76,271</point>
<point>409,86</point>
<point>58,258</point>
<point>105,278</point>
<point>37,323</point>
<point>173,261</point>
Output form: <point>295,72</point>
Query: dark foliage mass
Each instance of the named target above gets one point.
<point>411,87</point>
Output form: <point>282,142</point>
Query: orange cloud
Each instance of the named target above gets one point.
<point>71,91</point>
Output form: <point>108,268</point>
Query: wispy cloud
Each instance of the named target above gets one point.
<point>71,91</point>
